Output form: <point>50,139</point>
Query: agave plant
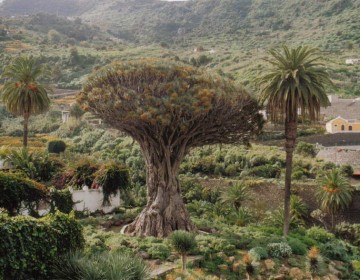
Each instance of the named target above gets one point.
<point>334,193</point>
<point>298,208</point>
<point>23,160</point>
<point>105,266</point>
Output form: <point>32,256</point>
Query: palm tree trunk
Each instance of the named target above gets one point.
<point>184,262</point>
<point>25,134</point>
<point>290,134</point>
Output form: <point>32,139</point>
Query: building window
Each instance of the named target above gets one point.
<point>342,127</point>
<point>350,127</point>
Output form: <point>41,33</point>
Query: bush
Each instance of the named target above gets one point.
<point>61,200</point>
<point>319,234</point>
<point>335,250</point>
<point>279,250</point>
<point>209,245</point>
<point>39,166</point>
<point>158,251</point>
<point>297,247</point>
<point>349,232</point>
<point>110,266</point>
<point>83,174</point>
<point>29,247</point>
<point>16,190</point>
<point>258,253</point>
<point>347,170</point>
<point>305,149</point>
<point>265,171</point>
<point>111,177</point>
<point>56,146</point>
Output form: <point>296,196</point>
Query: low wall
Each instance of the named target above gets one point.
<point>341,155</point>
<point>91,200</point>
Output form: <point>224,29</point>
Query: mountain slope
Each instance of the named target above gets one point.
<point>326,21</point>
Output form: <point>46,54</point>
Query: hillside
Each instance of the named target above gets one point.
<point>148,20</point>
<point>231,37</point>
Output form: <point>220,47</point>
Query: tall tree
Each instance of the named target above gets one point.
<point>22,93</point>
<point>293,86</point>
<point>169,109</point>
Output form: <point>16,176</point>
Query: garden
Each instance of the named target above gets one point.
<point>198,199</point>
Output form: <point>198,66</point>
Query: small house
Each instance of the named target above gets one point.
<point>342,125</point>
<point>65,116</point>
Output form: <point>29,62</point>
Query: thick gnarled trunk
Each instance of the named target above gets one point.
<point>165,210</point>
<point>290,134</point>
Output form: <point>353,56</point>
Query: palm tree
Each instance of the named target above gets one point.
<point>334,193</point>
<point>293,86</point>
<point>235,195</point>
<point>22,93</point>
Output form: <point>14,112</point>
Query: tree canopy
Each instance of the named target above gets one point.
<point>178,103</point>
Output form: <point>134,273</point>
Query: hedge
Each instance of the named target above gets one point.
<point>56,146</point>
<point>29,247</point>
<point>16,190</point>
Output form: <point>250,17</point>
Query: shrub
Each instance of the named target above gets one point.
<point>347,170</point>
<point>258,253</point>
<point>276,219</point>
<point>110,266</point>
<point>298,207</point>
<point>16,190</point>
<point>305,149</point>
<point>35,165</point>
<point>209,245</point>
<point>56,146</point>
<point>29,247</point>
<point>335,250</point>
<point>279,250</point>
<point>241,217</point>
<point>319,234</point>
<point>61,200</point>
<point>158,251</point>
<point>265,171</point>
<point>111,177</point>
<point>350,232</point>
<point>297,247</point>
<point>83,173</point>
<point>183,242</point>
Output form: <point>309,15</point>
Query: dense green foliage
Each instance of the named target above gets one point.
<point>61,200</point>
<point>16,190</point>
<point>111,177</point>
<point>30,247</point>
<point>107,266</point>
<point>279,250</point>
<point>35,165</point>
<point>56,146</point>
